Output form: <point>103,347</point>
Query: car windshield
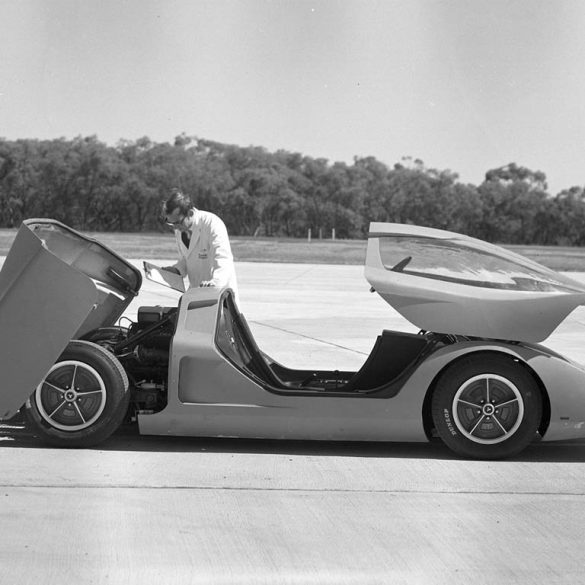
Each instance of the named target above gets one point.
<point>460,262</point>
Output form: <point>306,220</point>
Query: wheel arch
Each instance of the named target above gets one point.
<point>426,408</point>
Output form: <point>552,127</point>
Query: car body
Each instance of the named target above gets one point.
<point>475,375</point>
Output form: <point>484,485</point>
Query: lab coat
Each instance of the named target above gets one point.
<point>209,255</point>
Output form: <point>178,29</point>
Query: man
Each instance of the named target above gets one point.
<point>205,254</point>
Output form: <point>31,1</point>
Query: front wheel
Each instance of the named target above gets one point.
<point>83,398</point>
<point>487,407</point>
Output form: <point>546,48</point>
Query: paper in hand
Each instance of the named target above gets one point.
<point>164,277</point>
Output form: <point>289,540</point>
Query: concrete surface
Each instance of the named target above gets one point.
<point>142,510</point>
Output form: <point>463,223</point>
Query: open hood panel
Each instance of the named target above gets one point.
<point>450,283</point>
<point>55,285</point>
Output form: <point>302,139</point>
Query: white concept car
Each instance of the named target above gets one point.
<point>474,376</point>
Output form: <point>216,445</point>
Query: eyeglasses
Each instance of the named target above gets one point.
<point>177,223</point>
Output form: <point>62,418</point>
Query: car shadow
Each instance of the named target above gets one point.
<point>14,434</point>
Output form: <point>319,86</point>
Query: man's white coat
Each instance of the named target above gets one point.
<point>209,256</point>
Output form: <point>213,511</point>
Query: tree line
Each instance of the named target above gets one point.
<point>92,186</point>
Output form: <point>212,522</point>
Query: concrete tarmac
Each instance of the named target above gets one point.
<point>149,510</point>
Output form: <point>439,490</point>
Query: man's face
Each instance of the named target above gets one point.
<point>179,221</point>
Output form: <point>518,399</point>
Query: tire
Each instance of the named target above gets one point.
<point>92,410</point>
<point>487,407</point>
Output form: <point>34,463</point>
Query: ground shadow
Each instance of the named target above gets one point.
<point>14,434</point>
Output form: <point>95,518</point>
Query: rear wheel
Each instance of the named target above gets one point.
<point>83,398</point>
<point>487,407</point>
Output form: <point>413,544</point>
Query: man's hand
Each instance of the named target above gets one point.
<point>172,269</point>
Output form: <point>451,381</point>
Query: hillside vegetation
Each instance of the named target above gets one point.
<point>95,187</point>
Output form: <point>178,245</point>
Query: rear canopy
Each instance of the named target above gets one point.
<point>450,283</point>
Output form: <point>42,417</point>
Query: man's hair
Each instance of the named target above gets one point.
<point>176,200</point>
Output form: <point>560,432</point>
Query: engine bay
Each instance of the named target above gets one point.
<point>143,349</point>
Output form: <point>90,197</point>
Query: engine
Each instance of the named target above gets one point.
<point>154,331</point>
<point>149,340</point>
<point>143,350</point>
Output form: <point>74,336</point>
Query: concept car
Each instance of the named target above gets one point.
<point>474,376</point>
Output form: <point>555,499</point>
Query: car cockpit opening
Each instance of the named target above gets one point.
<point>393,357</point>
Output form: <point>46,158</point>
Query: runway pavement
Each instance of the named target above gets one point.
<point>142,510</point>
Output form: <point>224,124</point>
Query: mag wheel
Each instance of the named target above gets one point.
<point>487,407</point>
<point>83,398</point>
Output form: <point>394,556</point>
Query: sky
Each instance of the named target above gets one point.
<point>464,85</point>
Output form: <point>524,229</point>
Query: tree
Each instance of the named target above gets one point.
<point>513,202</point>
<point>512,173</point>
<point>569,217</point>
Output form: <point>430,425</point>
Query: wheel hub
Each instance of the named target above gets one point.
<point>488,409</point>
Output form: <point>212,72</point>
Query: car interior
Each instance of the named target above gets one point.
<point>393,357</point>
